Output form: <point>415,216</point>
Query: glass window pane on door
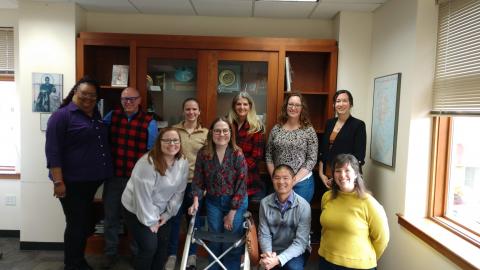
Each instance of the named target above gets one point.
<point>169,83</point>
<point>236,76</point>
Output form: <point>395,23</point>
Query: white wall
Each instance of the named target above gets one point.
<point>208,26</point>
<point>354,55</point>
<point>47,44</point>
<point>403,40</point>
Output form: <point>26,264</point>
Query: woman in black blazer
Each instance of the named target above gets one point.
<point>344,134</point>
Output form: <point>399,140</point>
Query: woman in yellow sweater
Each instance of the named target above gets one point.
<point>354,225</point>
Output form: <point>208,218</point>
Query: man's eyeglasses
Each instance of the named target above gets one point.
<point>220,131</point>
<point>172,141</point>
<point>87,95</point>
<point>129,99</point>
<point>292,105</point>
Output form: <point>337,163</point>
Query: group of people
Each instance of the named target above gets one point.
<point>153,179</point>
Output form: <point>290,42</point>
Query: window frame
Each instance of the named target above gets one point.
<point>441,151</point>
<point>8,172</point>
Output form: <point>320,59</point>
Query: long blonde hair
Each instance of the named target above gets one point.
<point>255,124</point>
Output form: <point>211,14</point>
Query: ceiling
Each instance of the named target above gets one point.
<point>324,9</point>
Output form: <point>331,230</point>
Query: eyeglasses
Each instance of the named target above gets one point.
<point>87,95</point>
<point>170,141</point>
<point>296,106</point>
<point>129,99</point>
<point>225,131</point>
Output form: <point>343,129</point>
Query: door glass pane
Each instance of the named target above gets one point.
<point>235,76</point>
<point>464,181</point>
<point>169,83</point>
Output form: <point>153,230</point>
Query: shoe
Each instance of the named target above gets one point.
<point>192,261</point>
<point>170,265</point>
<point>109,262</point>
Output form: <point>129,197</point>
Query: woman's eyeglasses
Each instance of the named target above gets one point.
<point>172,141</point>
<point>225,131</point>
<point>296,106</point>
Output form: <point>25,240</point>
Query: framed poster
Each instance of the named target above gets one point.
<point>386,96</point>
<point>47,89</point>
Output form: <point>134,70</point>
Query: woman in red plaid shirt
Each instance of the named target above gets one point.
<point>249,133</point>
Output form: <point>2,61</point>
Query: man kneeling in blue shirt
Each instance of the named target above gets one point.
<point>284,224</point>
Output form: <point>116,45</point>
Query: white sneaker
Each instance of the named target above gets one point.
<point>192,260</point>
<point>170,265</point>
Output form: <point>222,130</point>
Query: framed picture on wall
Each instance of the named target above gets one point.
<point>47,89</point>
<point>386,97</point>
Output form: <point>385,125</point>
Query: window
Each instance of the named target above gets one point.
<point>9,107</point>
<point>6,51</point>
<point>455,193</point>
<point>456,184</point>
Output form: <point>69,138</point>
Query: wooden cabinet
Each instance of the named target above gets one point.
<point>167,69</point>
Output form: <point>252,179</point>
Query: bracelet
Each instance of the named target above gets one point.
<point>57,182</point>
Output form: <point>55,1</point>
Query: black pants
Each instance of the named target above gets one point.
<point>152,247</point>
<point>78,209</point>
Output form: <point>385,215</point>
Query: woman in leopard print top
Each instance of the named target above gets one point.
<point>293,142</point>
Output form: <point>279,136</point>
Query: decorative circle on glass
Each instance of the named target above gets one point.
<point>227,77</point>
<point>184,74</point>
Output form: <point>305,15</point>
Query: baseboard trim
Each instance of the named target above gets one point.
<point>9,233</point>
<point>41,245</point>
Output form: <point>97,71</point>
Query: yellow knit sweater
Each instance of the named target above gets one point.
<point>354,230</point>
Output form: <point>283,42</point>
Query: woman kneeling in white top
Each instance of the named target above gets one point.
<point>153,195</point>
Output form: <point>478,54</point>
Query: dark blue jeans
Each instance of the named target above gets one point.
<point>152,248</point>
<point>297,263</point>
<point>217,208</point>
<point>112,194</point>
<point>176,222</point>
<point>306,188</point>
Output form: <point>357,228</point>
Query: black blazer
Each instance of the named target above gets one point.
<point>352,139</point>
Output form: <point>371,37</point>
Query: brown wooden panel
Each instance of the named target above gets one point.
<point>309,71</point>
<point>99,60</point>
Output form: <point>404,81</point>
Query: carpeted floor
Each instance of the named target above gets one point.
<point>16,259</point>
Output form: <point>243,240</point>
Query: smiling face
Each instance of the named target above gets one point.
<point>85,97</point>
<point>130,99</point>
<point>294,107</point>
<point>345,177</point>
<point>191,111</point>
<point>242,108</point>
<point>342,104</point>
<point>221,133</point>
<point>282,182</point>
<point>170,143</point>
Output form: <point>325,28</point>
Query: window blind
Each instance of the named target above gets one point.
<point>456,88</point>
<point>6,51</point>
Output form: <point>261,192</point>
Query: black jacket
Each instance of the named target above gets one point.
<point>351,139</point>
